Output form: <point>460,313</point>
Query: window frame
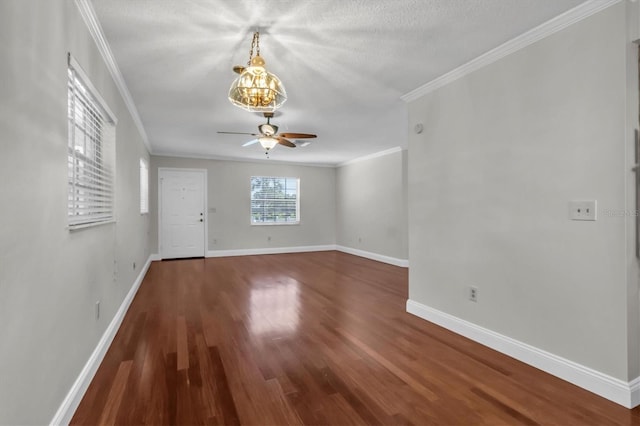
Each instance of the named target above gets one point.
<point>91,171</point>
<point>251,200</point>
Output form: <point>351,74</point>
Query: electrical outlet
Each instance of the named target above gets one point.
<point>97,310</point>
<point>583,210</point>
<point>473,294</point>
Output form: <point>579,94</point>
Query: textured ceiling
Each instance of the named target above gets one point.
<point>344,64</point>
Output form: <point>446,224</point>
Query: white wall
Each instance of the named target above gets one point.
<point>633,124</point>
<point>503,151</point>
<point>229,194</point>
<point>50,278</point>
<point>371,213</point>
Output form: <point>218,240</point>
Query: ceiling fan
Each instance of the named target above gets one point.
<point>269,136</point>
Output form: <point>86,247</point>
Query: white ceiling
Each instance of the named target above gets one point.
<point>344,64</point>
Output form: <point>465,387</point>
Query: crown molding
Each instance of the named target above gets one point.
<point>371,156</point>
<point>546,29</point>
<point>271,160</point>
<point>240,159</point>
<point>88,14</point>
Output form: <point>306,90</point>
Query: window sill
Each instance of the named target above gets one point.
<point>274,223</point>
<point>73,228</point>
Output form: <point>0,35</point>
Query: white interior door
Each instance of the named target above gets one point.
<point>182,213</point>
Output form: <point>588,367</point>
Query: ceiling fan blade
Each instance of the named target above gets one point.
<point>283,141</point>
<point>250,142</point>
<point>239,133</point>
<point>297,135</point>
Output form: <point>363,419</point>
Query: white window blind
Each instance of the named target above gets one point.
<point>91,154</point>
<point>144,186</point>
<point>275,200</point>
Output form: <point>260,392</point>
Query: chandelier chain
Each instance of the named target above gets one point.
<point>255,45</point>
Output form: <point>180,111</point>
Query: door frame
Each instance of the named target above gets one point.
<point>205,207</point>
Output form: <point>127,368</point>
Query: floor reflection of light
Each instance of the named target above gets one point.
<point>275,308</point>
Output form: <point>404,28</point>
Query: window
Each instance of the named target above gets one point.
<point>91,153</point>
<point>275,200</point>
<point>144,186</point>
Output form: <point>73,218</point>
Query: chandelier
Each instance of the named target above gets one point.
<point>256,89</point>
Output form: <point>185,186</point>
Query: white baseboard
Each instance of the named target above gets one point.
<point>616,390</point>
<point>268,250</point>
<point>302,249</point>
<point>634,387</point>
<point>278,250</point>
<point>154,257</point>
<point>374,256</point>
<point>74,396</point>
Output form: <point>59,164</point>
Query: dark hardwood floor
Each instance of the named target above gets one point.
<point>310,338</point>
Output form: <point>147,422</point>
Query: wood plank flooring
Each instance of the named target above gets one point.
<point>310,338</point>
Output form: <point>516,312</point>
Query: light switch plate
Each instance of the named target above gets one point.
<point>583,210</point>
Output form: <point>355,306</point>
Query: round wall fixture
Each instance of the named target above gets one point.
<point>418,128</point>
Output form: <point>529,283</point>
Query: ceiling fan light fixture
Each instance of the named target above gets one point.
<point>268,129</point>
<point>256,89</point>
<point>267,142</point>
